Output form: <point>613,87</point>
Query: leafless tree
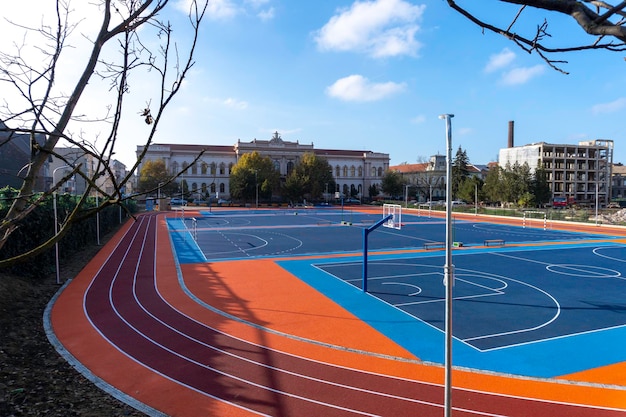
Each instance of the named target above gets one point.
<point>603,21</point>
<point>132,40</point>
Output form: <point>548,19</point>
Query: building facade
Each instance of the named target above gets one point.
<point>77,184</point>
<point>582,171</point>
<point>427,181</point>
<point>353,171</point>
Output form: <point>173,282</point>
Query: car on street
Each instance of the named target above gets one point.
<point>178,202</point>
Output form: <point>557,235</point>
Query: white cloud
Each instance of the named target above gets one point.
<point>217,9</point>
<point>267,14</point>
<point>609,107</point>
<point>419,119</point>
<point>500,60</point>
<point>359,88</point>
<point>522,75</point>
<point>379,28</point>
<point>236,104</point>
<point>464,131</point>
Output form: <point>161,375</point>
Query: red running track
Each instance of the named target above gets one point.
<point>149,339</point>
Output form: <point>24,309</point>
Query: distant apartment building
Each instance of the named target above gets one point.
<point>618,182</point>
<point>15,157</point>
<point>354,171</point>
<point>581,171</point>
<point>77,184</point>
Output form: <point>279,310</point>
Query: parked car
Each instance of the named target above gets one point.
<point>178,202</point>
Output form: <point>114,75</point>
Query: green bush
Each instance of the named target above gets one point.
<point>39,227</point>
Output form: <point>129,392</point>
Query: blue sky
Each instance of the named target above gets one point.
<point>375,75</point>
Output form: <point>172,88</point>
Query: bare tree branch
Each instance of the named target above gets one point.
<point>48,114</point>
<point>607,34</point>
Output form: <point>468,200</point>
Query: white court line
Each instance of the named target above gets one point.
<point>438,385</point>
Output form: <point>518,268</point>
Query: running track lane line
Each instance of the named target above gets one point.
<point>127,310</point>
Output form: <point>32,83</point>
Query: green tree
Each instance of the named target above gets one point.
<point>541,186</point>
<point>469,188</point>
<point>154,176</point>
<point>139,42</point>
<point>310,178</point>
<point>494,185</point>
<point>392,183</point>
<point>460,171</point>
<point>253,174</point>
<point>373,190</point>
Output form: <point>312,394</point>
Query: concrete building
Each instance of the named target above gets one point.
<point>353,171</point>
<point>78,184</point>
<point>581,171</point>
<point>15,159</point>
<point>618,182</point>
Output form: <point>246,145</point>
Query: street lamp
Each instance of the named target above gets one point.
<point>448,269</point>
<point>256,186</point>
<point>56,223</point>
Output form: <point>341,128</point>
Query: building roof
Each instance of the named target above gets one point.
<point>410,168</point>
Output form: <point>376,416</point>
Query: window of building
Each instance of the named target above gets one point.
<point>222,168</point>
<point>345,170</point>
<point>289,167</point>
<point>380,171</point>
<point>337,172</point>
<point>213,188</point>
<point>203,168</point>
<point>222,187</point>
<point>213,168</point>
<point>360,171</point>
<point>352,171</point>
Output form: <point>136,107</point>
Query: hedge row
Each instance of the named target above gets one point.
<point>38,227</point>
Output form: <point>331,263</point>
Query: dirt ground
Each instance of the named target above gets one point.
<point>34,379</point>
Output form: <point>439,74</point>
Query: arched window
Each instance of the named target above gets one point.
<point>174,167</point>
<point>290,166</point>
<point>204,188</point>
<point>337,172</point>
<point>373,174</point>
<point>360,171</point>
<point>222,187</point>
<point>213,188</point>
<point>380,171</point>
<point>352,171</point>
<point>203,168</point>
<point>222,168</point>
<point>230,168</point>
<point>277,166</point>
<point>194,169</point>
<point>345,170</point>
<point>194,187</point>
<point>213,168</point>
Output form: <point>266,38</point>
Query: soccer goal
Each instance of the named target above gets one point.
<point>535,215</point>
<point>395,221</point>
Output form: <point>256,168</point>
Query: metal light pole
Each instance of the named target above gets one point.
<point>256,186</point>
<point>448,269</point>
<point>56,223</point>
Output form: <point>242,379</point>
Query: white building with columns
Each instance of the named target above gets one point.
<point>354,171</point>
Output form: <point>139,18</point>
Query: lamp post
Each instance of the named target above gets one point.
<point>364,173</point>
<point>448,270</point>
<point>256,187</point>
<point>56,224</point>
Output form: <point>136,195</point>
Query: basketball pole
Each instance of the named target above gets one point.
<point>448,270</point>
